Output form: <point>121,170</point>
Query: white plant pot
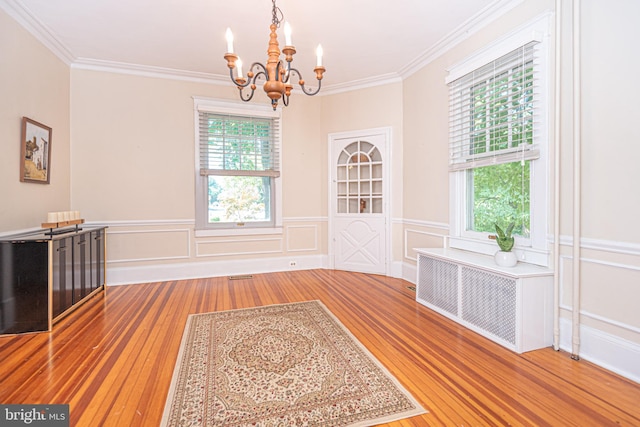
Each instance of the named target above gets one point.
<point>506,259</point>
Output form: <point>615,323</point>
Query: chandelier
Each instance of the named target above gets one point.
<point>276,74</point>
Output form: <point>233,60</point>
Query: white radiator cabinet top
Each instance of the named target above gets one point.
<point>512,306</point>
<point>485,262</point>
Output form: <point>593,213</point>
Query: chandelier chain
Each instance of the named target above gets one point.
<point>276,14</point>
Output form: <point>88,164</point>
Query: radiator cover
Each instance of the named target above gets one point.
<point>511,307</point>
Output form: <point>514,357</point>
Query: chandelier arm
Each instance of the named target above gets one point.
<point>263,69</point>
<point>309,92</point>
<point>233,79</point>
<point>251,80</point>
<point>259,74</point>
<point>249,95</point>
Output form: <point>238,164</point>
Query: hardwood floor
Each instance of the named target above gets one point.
<point>112,359</point>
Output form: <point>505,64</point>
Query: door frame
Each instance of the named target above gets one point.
<point>386,133</point>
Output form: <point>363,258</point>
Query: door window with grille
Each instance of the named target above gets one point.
<point>359,179</point>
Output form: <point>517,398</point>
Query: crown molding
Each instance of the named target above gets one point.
<point>35,27</point>
<point>460,34</point>
<point>148,71</point>
<point>368,82</point>
<point>193,76</point>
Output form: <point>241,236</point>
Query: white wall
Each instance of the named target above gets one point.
<point>134,170</point>
<point>610,241</point>
<point>610,135</point>
<point>33,83</point>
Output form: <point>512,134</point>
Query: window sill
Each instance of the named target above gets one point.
<point>238,232</point>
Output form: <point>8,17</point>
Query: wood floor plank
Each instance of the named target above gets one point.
<point>112,359</point>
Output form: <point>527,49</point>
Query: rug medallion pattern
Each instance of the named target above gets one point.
<point>279,365</point>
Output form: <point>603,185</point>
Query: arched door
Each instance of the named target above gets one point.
<point>359,210</point>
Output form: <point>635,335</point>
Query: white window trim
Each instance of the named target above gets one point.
<point>231,107</point>
<point>535,249</point>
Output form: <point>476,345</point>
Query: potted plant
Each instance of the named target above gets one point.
<point>505,257</point>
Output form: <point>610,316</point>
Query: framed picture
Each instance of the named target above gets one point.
<point>35,149</point>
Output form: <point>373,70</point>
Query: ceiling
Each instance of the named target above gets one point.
<point>365,42</point>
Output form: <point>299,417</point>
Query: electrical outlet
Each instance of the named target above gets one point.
<point>292,263</point>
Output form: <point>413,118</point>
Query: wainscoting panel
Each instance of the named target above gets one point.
<point>420,239</point>
<point>602,285</point>
<point>302,238</point>
<point>148,245</point>
<point>233,247</point>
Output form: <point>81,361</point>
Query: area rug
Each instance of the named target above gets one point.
<point>280,365</point>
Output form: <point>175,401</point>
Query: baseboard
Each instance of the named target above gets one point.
<point>608,351</point>
<point>410,272</point>
<point>179,271</point>
<point>396,269</point>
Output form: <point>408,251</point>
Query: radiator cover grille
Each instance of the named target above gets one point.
<point>439,284</point>
<point>479,298</point>
<point>489,302</point>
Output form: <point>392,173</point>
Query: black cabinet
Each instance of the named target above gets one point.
<point>24,290</point>
<point>81,266</point>
<point>44,277</point>
<point>62,295</point>
<point>98,261</point>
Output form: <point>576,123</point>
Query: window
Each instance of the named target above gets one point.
<point>497,142</point>
<point>238,167</point>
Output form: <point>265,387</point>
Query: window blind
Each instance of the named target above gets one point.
<point>493,112</point>
<point>238,145</point>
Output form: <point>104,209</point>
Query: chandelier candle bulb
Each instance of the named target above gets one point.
<point>319,53</point>
<point>239,65</point>
<point>229,37</point>
<point>287,34</point>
